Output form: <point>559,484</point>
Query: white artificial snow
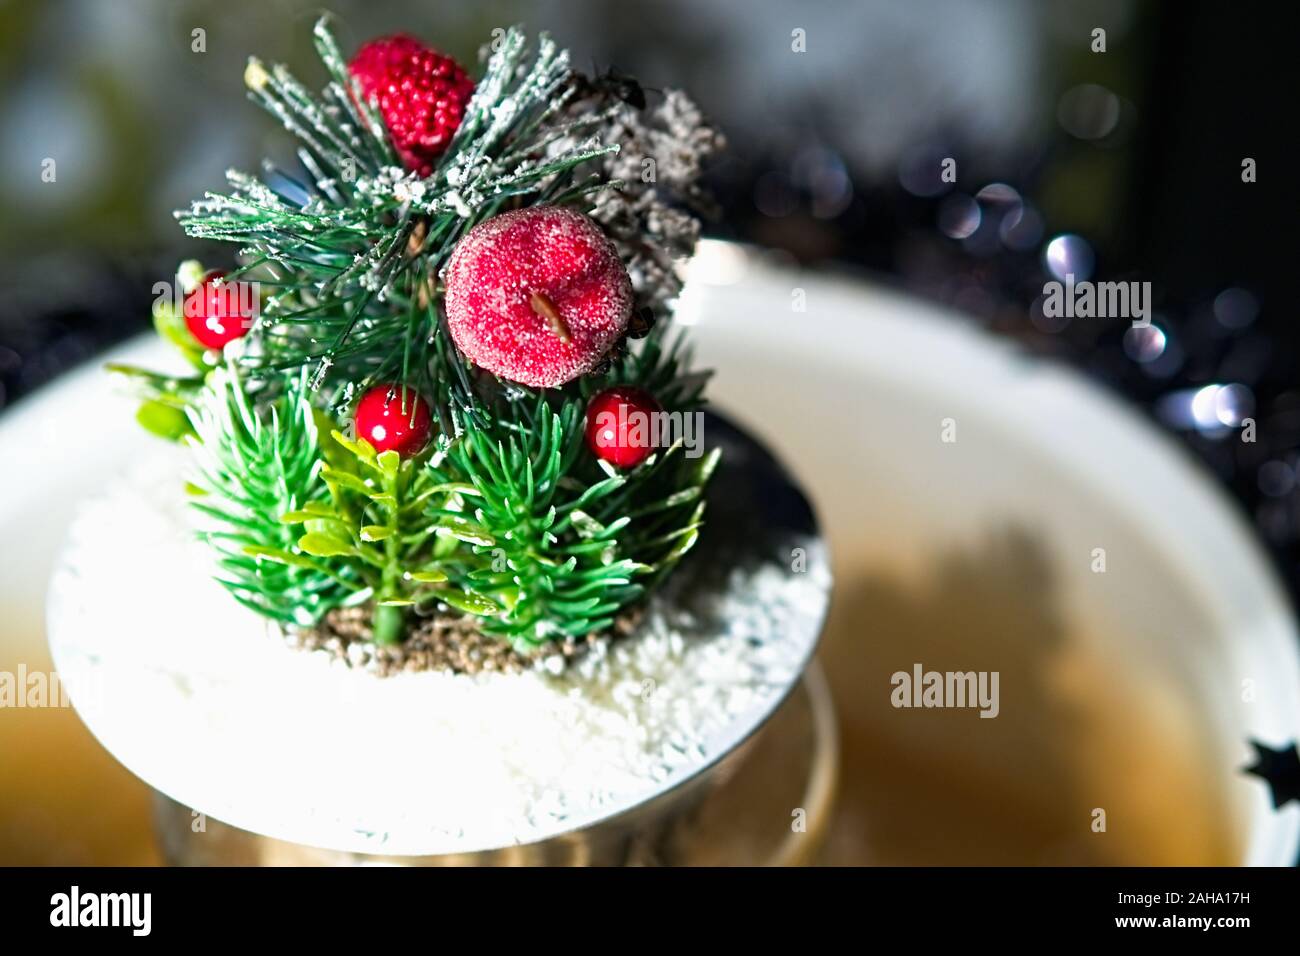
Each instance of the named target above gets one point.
<point>205,702</point>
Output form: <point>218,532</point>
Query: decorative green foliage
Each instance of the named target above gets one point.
<point>165,398</point>
<point>250,469</point>
<point>663,502</point>
<point>373,525</point>
<point>514,521</point>
<point>352,252</point>
<point>164,420</point>
<point>561,554</point>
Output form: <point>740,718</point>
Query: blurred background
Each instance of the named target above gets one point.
<point>1124,164</point>
<point>1117,165</point>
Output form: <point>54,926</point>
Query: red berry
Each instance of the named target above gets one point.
<point>620,427</point>
<point>220,312</point>
<point>421,95</point>
<point>537,296</point>
<point>393,417</point>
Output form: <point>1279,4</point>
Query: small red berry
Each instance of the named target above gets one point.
<point>421,95</point>
<point>220,312</point>
<point>392,417</point>
<point>620,427</point>
<point>537,296</point>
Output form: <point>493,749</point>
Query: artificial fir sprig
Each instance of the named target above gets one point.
<point>514,517</point>
<point>250,468</point>
<point>364,235</point>
<point>560,544</point>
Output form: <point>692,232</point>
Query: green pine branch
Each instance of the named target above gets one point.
<point>251,468</point>
<point>351,248</point>
<point>561,555</point>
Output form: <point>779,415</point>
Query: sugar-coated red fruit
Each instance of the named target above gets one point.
<point>220,312</point>
<point>394,418</point>
<point>537,296</point>
<point>421,95</point>
<point>620,428</point>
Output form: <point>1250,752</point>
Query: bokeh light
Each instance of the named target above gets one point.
<point>1068,254</point>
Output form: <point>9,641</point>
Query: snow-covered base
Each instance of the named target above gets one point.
<point>206,703</point>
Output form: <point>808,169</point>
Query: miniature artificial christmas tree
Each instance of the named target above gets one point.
<point>423,431</point>
<point>422,390</point>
